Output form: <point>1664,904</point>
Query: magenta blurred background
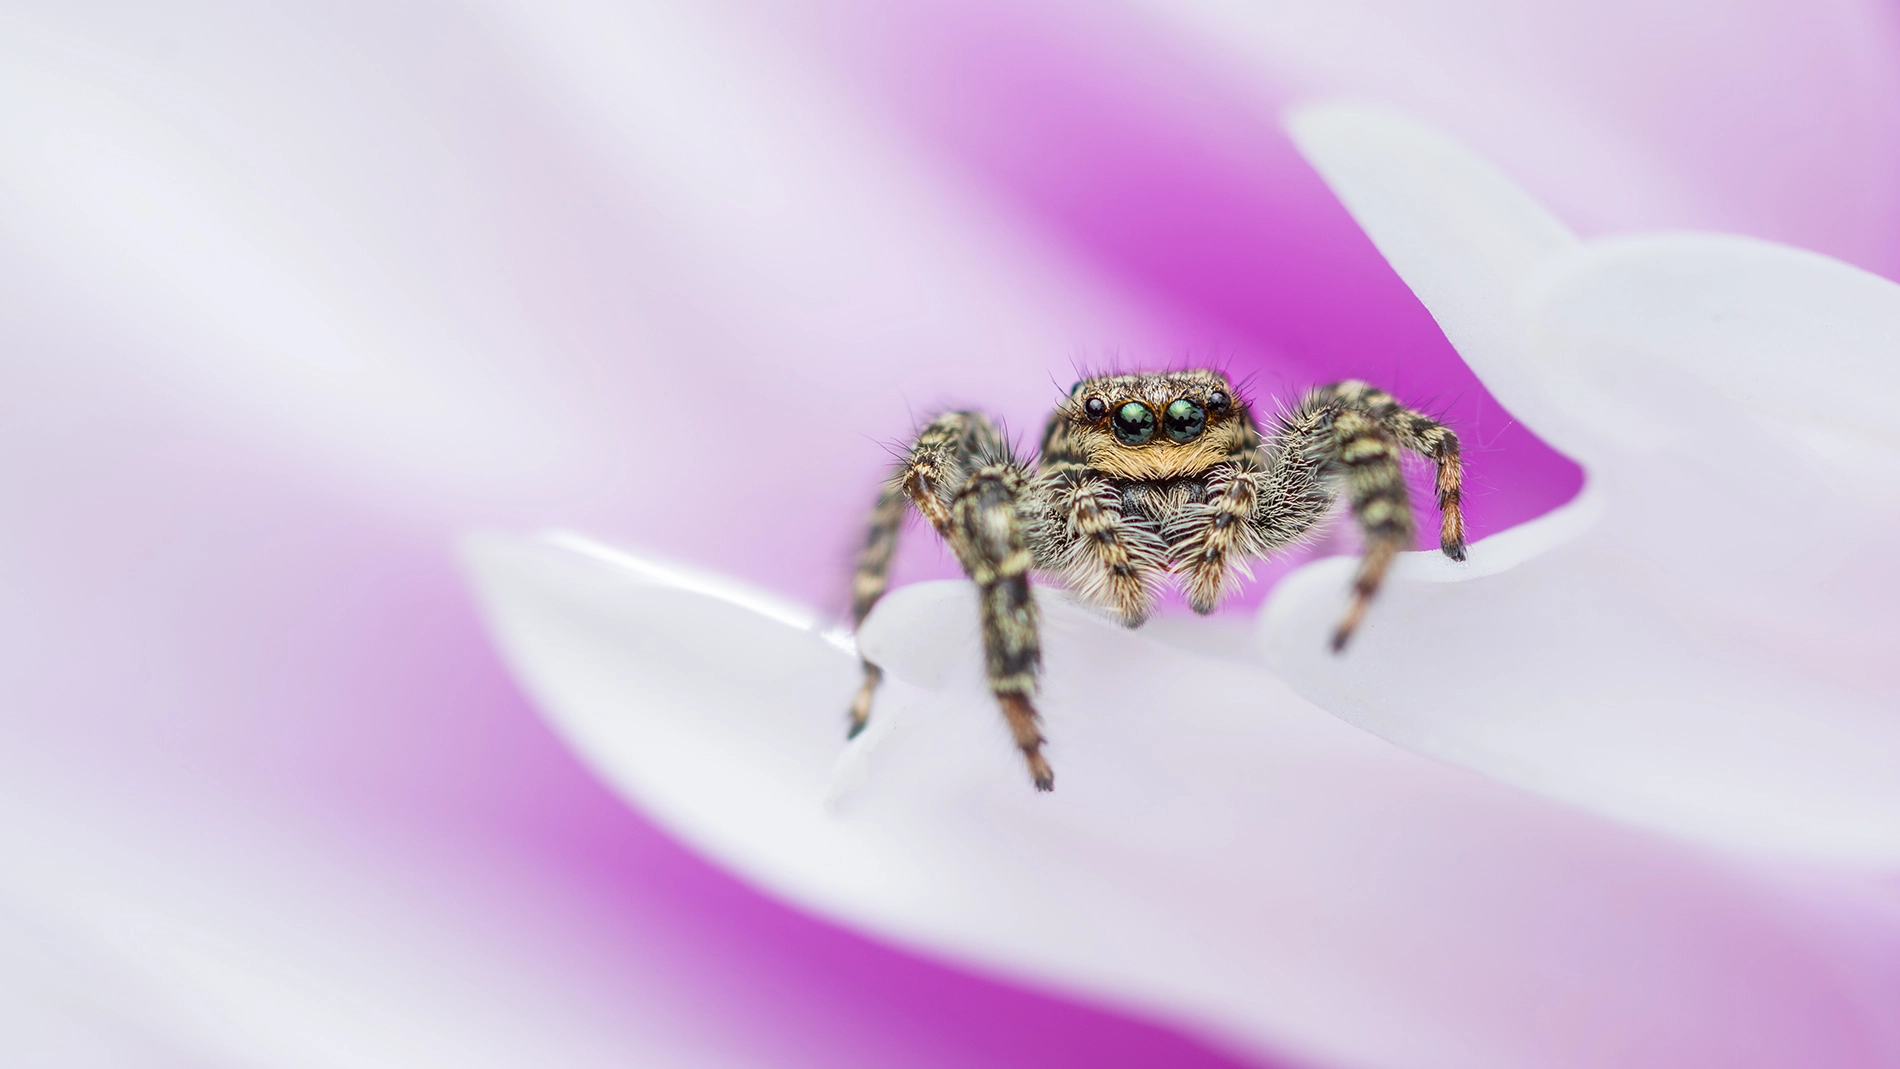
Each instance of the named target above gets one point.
<point>294,298</point>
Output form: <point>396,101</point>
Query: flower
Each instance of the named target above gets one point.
<point>295,295</point>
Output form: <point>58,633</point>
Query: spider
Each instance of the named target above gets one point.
<point>1143,480</point>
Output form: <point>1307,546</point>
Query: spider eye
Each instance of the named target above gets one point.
<point>1094,408</point>
<point>1217,401</point>
<point>1134,423</point>
<point>1185,420</point>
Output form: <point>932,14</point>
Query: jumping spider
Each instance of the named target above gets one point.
<point>1145,479</point>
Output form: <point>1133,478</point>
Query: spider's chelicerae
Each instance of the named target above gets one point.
<point>1142,480</point>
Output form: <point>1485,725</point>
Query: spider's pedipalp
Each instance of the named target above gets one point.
<point>1213,540</point>
<point>1110,559</point>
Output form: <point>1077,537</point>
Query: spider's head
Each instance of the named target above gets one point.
<point>1162,425</point>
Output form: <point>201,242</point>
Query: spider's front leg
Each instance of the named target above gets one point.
<point>987,533</point>
<point>868,584</point>
<point>929,476</point>
<point>961,476</point>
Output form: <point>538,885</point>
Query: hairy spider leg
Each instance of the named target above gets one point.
<point>1352,432</point>
<point>987,535</point>
<point>933,469</point>
<point>868,583</point>
<point>1425,436</point>
<point>961,476</point>
<point>1375,487</point>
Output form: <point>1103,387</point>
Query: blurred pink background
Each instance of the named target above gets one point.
<point>294,298</point>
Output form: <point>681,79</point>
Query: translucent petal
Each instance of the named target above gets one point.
<point>1460,234</point>
<point>1216,851</point>
<point>1749,387</point>
<point>1698,643</point>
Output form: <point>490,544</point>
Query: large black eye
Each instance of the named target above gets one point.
<point>1134,424</point>
<point>1094,408</point>
<point>1185,420</point>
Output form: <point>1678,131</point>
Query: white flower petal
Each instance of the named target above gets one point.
<point>1460,234</point>
<point>1695,644</point>
<point>1751,390</point>
<point>1216,851</point>
<point>582,653</point>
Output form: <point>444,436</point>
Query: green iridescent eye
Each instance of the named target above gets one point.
<point>1185,420</point>
<point>1134,423</point>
